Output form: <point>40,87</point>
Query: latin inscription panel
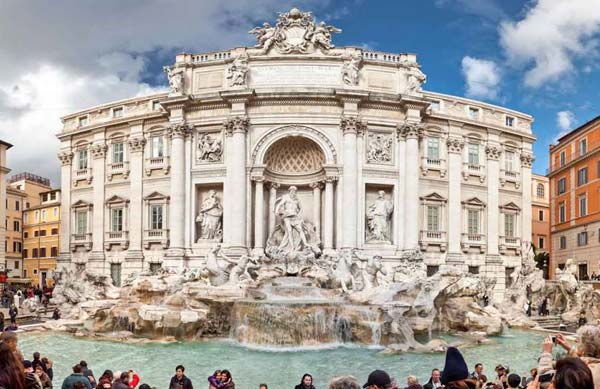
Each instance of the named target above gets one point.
<point>319,75</point>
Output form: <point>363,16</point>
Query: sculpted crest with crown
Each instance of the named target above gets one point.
<point>295,32</point>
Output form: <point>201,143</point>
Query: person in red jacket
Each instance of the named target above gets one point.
<point>134,379</point>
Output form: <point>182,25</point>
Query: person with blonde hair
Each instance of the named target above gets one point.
<point>344,382</point>
<point>412,382</point>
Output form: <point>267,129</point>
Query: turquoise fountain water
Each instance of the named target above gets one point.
<point>279,368</point>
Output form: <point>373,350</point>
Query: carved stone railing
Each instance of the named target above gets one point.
<point>433,238</point>
<point>157,163</point>
<point>509,243</point>
<point>209,57</point>
<point>437,164</point>
<point>83,175</point>
<point>156,236</point>
<point>81,240</point>
<point>117,168</point>
<point>510,176</point>
<point>477,170</point>
<point>387,57</point>
<point>116,238</point>
<point>473,240</point>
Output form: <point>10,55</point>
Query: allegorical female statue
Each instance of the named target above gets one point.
<point>210,216</point>
<point>378,219</point>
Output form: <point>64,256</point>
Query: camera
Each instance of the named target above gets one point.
<point>554,339</point>
<point>546,377</point>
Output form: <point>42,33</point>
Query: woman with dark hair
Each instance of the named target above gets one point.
<point>571,373</point>
<point>105,380</point>
<point>214,381</point>
<point>306,382</point>
<point>12,374</point>
<point>227,380</point>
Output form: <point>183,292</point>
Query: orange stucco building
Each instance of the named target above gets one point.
<point>575,199</point>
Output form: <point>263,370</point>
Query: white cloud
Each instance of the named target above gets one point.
<point>565,120</point>
<point>62,56</point>
<point>551,37</point>
<point>482,78</point>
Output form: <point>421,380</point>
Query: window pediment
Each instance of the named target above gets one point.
<point>156,196</point>
<point>80,204</point>
<point>116,200</point>
<point>474,202</point>
<point>433,197</point>
<point>510,207</point>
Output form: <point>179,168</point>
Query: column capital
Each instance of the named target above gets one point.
<point>493,151</point>
<point>316,185</point>
<point>98,150</point>
<point>455,144</point>
<point>527,159</point>
<point>258,179</point>
<point>352,125</point>
<point>410,130</point>
<point>330,179</point>
<point>65,158</point>
<point>179,130</point>
<point>136,144</point>
<point>274,185</point>
<point>237,124</point>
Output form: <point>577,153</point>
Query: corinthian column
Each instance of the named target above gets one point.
<point>177,133</point>
<point>455,146</point>
<point>98,151</point>
<point>235,186</point>
<point>66,159</point>
<point>411,186</point>
<point>271,211</point>
<point>316,187</point>
<point>328,231</point>
<point>135,225</point>
<point>259,214</point>
<point>351,126</point>
<point>526,161</point>
<point>493,152</point>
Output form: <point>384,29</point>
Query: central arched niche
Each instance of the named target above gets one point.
<point>295,156</point>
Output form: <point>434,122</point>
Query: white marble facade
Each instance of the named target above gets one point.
<point>379,164</point>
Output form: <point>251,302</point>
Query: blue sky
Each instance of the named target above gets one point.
<point>539,57</point>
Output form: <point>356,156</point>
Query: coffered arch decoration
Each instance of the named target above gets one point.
<point>265,143</point>
<point>294,155</point>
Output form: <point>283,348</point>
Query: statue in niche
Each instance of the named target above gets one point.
<point>237,71</point>
<point>379,148</point>
<point>210,149</point>
<point>416,78</point>
<point>378,219</point>
<point>294,243</point>
<point>209,217</point>
<point>351,69</point>
<point>373,267</point>
<point>175,76</point>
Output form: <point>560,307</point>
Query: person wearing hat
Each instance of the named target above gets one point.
<point>378,379</point>
<point>32,381</point>
<point>502,372</point>
<point>456,372</point>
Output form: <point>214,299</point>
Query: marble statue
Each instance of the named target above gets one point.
<point>378,219</point>
<point>416,78</point>
<point>379,148</point>
<point>176,78</point>
<point>266,36</point>
<point>288,208</point>
<point>216,274</point>
<point>237,71</point>
<point>210,149</point>
<point>210,217</point>
<point>240,272</point>
<point>372,269</point>
<point>351,69</point>
<point>321,36</point>
<point>340,272</point>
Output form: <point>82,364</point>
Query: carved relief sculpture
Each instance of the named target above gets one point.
<point>210,149</point>
<point>379,148</point>
<point>210,217</point>
<point>237,71</point>
<point>176,79</point>
<point>351,69</point>
<point>378,219</point>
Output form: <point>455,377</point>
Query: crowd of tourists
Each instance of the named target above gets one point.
<point>16,296</point>
<point>577,368</point>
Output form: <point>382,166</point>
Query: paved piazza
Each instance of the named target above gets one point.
<point>290,151</point>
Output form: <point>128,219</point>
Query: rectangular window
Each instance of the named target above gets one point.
<point>118,112</point>
<point>43,252</point>
<point>473,221</point>
<point>36,233</point>
<point>15,247</point>
<point>16,265</point>
<point>156,217</point>
<point>582,205</point>
<point>155,105</point>
<point>54,231</point>
<point>509,121</point>
<point>473,150</point>
<point>155,267</point>
<point>17,205</point>
<point>473,269</point>
<point>541,215</point>
<point>116,219</point>
<point>562,185</point>
<point>562,212</point>
<point>118,153</point>
<point>509,225</point>
<point>435,105</point>
<point>563,242</point>
<point>34,253</point>
<point>82,159</point>
<point>54,251</point>
<point>433,218</point>
<point>563,158</point>
<point>16,226</point>
<point>509,161</point>
<point>25,217</point>
<point>433,148</point>
<point>42,232</point>
<point>582,238</point>
<point>582,176</point>
<point>25,235</point>
<point>83,121</point>
<point>43,215</point>
<point>157,146</point>
<point>473,113</point>
<point>541,242</point>
<point>81,222</point>
<point>582,147</point>
<point>55,212</point>
<point>432,270</point>
<point>25,253</point>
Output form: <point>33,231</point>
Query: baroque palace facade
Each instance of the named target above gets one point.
<point>335,147</point>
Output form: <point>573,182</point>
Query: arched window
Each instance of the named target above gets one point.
<point>540,190</point>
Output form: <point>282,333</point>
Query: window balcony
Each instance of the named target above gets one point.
<point>117,168</point>
<point>83,175</point>
<point>156,236</point>
<point>510,243</point>
<point>510,176</point>
<point>433,238</point>
<point>470,169</point>
<point>81,240</point>
<point>157,163</point>
<point>435,164</point>
<point>114,238</point>
<point>469,241</point>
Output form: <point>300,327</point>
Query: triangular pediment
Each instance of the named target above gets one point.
<point>81,204</point>
<point>510,207</point>
<point>156,196</point>
<point>434,196</point>
<point>116,200</point>
<point>474,202</point>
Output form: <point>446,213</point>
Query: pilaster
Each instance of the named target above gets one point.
<point>412,131</point>
<point>66,161</point>
<point>455,146</point>
<point>98,150</point>
<point>135,144</point>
